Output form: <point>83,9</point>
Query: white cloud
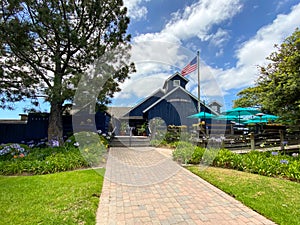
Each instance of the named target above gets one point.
<point>199,18</point>
<point>135,10</point>
<point>142,87</point>
<point>196,20</point>
<point>164,49</point>
<point>254,51</point>
<point>219,37</point>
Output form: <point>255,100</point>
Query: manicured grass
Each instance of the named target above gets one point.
<point>276,199</point>
<point>60,198</point>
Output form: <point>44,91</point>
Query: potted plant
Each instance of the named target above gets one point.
<point>124,127</point>
<point>142,130</point>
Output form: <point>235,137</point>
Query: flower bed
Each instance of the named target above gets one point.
<point>274,164</point>
<point>50,158</point>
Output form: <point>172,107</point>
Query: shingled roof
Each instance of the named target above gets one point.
<point>118,112</point>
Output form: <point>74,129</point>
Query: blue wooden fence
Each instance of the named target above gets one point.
<point>36,127</point>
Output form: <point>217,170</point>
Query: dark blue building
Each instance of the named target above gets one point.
<point>172,103</point>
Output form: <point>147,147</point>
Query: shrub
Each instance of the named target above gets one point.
<point>51,160</point>
<point>197,155</point>
<point>13,151</point>
<point>263,163</point>
<point>92,147</point>
<point>293,171</point>
<point>82,150</point>
<point>155,143</point>
<point>183,152</point>
<point>267,164</point>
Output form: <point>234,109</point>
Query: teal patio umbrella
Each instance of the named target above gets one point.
<point>240,111</point>
<point>253,121</point>
<point>226,117</point>
<point>266,116</point>
<point>202,115</point>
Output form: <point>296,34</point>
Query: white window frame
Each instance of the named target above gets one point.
<point>176,83</point>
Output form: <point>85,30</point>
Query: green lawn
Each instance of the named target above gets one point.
<point>60,198</point>
<point>276,199</point>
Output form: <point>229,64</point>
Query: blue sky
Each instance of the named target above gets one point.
<point>232,36</point>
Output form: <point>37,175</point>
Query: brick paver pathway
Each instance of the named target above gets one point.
<point>144,186</point>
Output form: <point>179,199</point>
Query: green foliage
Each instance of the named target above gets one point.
<point>183,152</point>
<point>81,150</point>
<point>197,155</point>
<point>45,161</point>
<point>92,147</point>
<point>158,143</point>
<point>171,137</point>
<point>263,163</point>
<point>266,164</point>
<point>13,151</point>
<point>277,89</point>
<point>248,97</point>
<point>47,46</point>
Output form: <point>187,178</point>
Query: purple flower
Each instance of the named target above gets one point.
<point>40,143</point>
<point>14,150</point>
<point>274,153</point>
<point>54,143</point>
<point>15,146</point>
<point>284,161</point>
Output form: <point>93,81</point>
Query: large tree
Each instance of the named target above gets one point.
<point>47,46</point>
<point>277,89</point>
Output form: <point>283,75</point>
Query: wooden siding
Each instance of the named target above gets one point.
<point>169,85</point>
<point>175,109</point>
<point>138,110</point>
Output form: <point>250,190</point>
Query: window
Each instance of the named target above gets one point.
<point>176,83</point>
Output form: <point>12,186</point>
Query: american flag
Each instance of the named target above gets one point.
<point>192,66</point>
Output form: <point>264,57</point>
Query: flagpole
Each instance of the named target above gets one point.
<point>198,71</point>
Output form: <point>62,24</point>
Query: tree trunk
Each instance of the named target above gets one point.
<point>55,127</point>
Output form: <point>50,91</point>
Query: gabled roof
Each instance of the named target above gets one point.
<point>184,90</point>
<point>215,102</point>
<point>171,77</point>
<point>169,93</point>
<point>117,111</point>
<point>145,99</point>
